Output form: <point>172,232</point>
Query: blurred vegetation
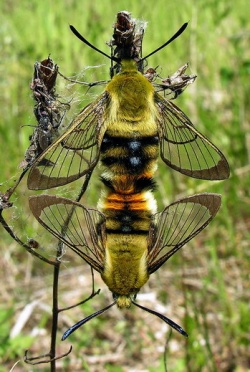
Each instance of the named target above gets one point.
<point>205,287</point>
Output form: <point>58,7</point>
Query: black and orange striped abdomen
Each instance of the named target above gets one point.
<point>129,165</point>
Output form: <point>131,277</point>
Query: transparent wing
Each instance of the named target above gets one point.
<point>75,153</point>
<point>184,149</point>
<point>177,224</point>
<point>81,229</point>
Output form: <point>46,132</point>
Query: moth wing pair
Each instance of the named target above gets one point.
<point>83,230</point>
<point>76,152</point>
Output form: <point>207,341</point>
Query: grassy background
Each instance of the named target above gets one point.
<point>206,286</point>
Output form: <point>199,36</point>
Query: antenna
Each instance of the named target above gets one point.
<point>85,320</point>
<point>164,318</point>
<point>178,33</point>
<point>77,34</point>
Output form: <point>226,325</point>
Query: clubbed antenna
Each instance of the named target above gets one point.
<point>177,34</point>
<point>85,320</point>
<point>85,41</point>
<point>164,318</point>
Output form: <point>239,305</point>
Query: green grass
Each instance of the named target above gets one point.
<point>205,287</point>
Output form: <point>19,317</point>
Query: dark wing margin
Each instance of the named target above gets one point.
<point>75,153</point>
<point>184,149</point>
<point>81,229</point>
<point>177,224</point>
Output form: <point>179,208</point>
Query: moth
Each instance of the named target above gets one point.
<point>130,111</point>
<point>125,245</point>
